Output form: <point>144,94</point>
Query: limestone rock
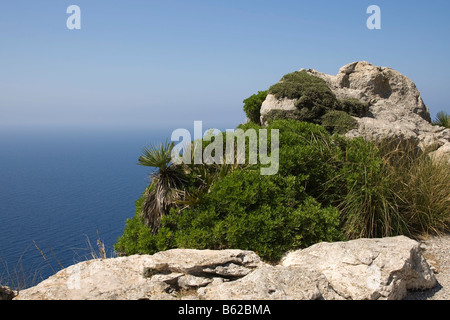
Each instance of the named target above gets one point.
<point>359,269</point>
<point>396,111</point>
<point>368,269</point>
<point>273,283</point>
<point>226,263</point>
<point>386,89</point>
<point>272,103</point>
<point>143,276</point>
<point>106,279</point>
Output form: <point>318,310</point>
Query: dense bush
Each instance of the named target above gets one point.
<point>313,97</point>
<point>252,106</point>
<point>353,107</point>
<point>278,114</point>
<point>267,214</point>
<point>327,189</point>
<point>315,103</point>
<point>338,122</point>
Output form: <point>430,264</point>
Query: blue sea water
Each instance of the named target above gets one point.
<point>60,189</point>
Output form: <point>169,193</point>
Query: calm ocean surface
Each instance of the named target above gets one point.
<point>59,188</point>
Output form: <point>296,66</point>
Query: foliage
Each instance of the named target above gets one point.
<point>421,185</point>
<point>133,239</point>
<point>315,103</point>
<point>308,150</point>
<point>338,122</point>
<point>252,106</point>
<point>267,214</point>
<point>328,188</point>
<point>313,96</point>
<point>353,107</point>
<point>167,183</point>
<point>278,114</point>
<point>442,119</point>
<point>393,188</point>
<point>368,206</point>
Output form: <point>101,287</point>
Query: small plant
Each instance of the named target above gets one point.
<point>442,119</point>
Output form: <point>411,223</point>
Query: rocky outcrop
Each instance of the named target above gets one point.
<point>368,269</point>
<point>396,107</point>
<point>360,269</point>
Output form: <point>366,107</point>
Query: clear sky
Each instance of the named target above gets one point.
<point>167,63</point>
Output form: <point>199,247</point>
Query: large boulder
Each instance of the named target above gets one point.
<point>273,283</point>
<point>158,276</point>
<point>360,269</point>
<point>368,269</point>
<point>396,110</point>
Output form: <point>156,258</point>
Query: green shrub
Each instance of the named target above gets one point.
<point>308,150</point>
<point>314,99</point>
<point>327,188</point>
<point>353,107</point>
<point>267,214</point>
<point>252,106</point>
<point>313,96</point>
<point>136,237</point>
<point>278,114</point>
<point>338,122</point>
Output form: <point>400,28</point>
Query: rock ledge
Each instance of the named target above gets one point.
<point>360,269</point>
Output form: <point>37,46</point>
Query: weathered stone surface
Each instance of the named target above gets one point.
<point>232,263</point>
<point>386,89</point>
<point>359,269</point>
<point>396,110</point>
<point>143,276</point>
<point>108,279</point>
<point>273,283</point>
<point>368,268</point>
<point>189,282</point>
<point>272,103</point>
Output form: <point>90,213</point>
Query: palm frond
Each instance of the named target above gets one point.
<point>157,156</point>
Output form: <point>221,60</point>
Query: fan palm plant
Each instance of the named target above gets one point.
<point>167,186</point>
<point>176,185</point>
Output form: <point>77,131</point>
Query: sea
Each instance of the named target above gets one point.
<point>62,192</point>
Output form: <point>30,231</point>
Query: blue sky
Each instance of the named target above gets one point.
<point>139,63</point>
